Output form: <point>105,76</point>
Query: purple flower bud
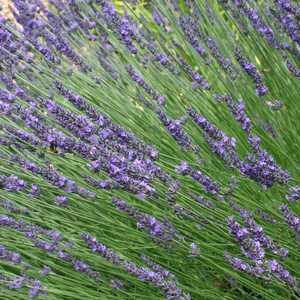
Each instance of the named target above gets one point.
<point>36,289</point>
<point>291,219</point>
<point>45,271</point>
<point>293,194</point>
<point>183,168</point>
<point>17,282</point>
<point>116,284</point>
<point>273,264</point>
<point>61,200</point>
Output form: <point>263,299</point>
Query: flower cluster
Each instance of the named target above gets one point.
<point>288,21</point>
<point>225,63</point>
<point>189,26</point>
<point>73,134</point>
<point>291,219</point>
<point>13,208</point>
<point>253,241</point>
<point>176,130</point>
<point>261,167</point>
<point>159,277</point>
<point>257,23</point>
<point>202,201</point>
<point>293,194</point>
<point>220,143</point>
<point>9,256</point>
<point>258,164</point>
<point>17,282</point>
<point>35,234</point>
<point>42,37</point>
<point>123,26</point>
<point>198,80</point>
<point>53,177</point>
<point>289,7</point>
<point>259,235</point>
<point>163,231</point>
<point>250,247</point>
<point>12,183</point>
<point>208,184</point>
<point>251,70</point>
<point>270,268</point>
<point>238,111</point>
<point>160,99</point>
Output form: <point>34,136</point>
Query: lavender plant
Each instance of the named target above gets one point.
<point>149,149</point>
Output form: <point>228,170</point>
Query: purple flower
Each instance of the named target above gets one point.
<point>159,278</point>
<point>35,190</point>
<point>251,70</point>
<point>202,201</point>
<point>293,194</point>
<point>261,167</point>
<point>209,185</point>
<point>273,264</point>
<point>12,183</point>
<point>250,247</point>
<point>160,99</point>
<point>124,27</point>
<point>45,271</point>
<point>238,263</point>
<point>11,207</point>
<point>258,234</point>
<point>175,129</point>
<point>156,267</point>
<point>35,290</point>
<point>17,282</point>
<point>261,89</point>
<point>64,256</point>
<point>10,256</point>
<point>192,34</point>
<point>163,231</point>
<point>183,168</point>
<point>157,17</point>
<point>291,219</point>
<point>116,284</point>
<point>225,63</point>
<point>95,246</point>
<point>61,200</point>
<point>219,142</point>
<point>198,80</point>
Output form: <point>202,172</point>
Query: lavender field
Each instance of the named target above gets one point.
<point>150,150</point>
